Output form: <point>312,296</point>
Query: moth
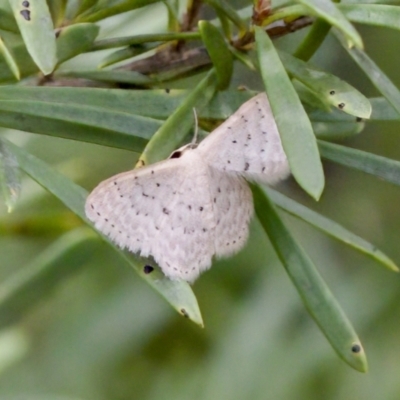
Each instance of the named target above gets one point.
<point>195,205</point>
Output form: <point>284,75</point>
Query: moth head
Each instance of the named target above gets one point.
<point>179,152</point>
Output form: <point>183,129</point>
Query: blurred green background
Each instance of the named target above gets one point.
<point>101,333</point>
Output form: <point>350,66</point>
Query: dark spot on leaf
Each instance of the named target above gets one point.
<point>158,184</point>
<point>246,166</point>
<point>167,90</point>
<point>201,208</point>
<point>152,172</point>
<point>341,105</point>
<point>26,14</point>
<point>332,92</point>
<point>113,225</point>
<point>25,3</point>
<point>263,169</point>
<point>228,161</point>
<point>248,137</point>
<point>184,313</point>
<point>189,207</point>
<point>98,214</point>
<point>148,269</point>
<point>116,182</point>
<point>356,348</point>
<point>145,195</point>
<point>92,206</point>
<point>165,211</point>
<point>234,141</point>
<point>106,219</point>
<point>359,119</point>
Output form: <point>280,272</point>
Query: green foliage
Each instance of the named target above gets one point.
<point>126,75</point>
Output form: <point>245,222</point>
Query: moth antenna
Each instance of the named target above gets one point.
<point>196,127</point>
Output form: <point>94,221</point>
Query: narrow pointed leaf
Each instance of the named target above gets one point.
<point>99,11</point>
<point>223,7</point>
<point>219,53</point>
<point>75,39</point>
<point>78,122</point>
<point>296,132</point>
<point>381,167</point>
<point>177,293</point>
<point>337,130</point>
<point>177,126</point>
<point>328,11</point>
<point>125,54</point>
<point>10,182</point>
<point>9,59</point>
<point>333,90</point>
<point>36,27</point>
<point>312,289</point>
<point>375,75</point>
<point>7,22</point>
<point>372,14</point>
<point>132,77</point>
<point>144,39</point>
<point>310,98</point>
<point>330,227</point>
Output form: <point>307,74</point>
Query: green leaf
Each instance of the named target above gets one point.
<point>143,39</point>
<point>372,14</point>
<point>309,97</point>
<point>296,132</point>
<point>10,181</point>
<point>7,22</point>
<point>330,227</point>
<point>74,40</point>
<point>229,12</point>
<point>99,11</point>
<point>219,53</point>
<point>381,111</point>
<point>177,126</point>
<point>375,75</point>
<point>57,10</point>
<point>337,130</point>
<point>125,53</point>
<point>85,5</point>
<point>32,283</point>
<point>328,11</point>
<point>314,292</point>
<point>379,166</point>
<point>177,293</point>
<point>37,30</point>
<point>132,77</point>
<point>9,59</point>
<point>329,87</point>
<point>78,122</point>
<point>314,39</point>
